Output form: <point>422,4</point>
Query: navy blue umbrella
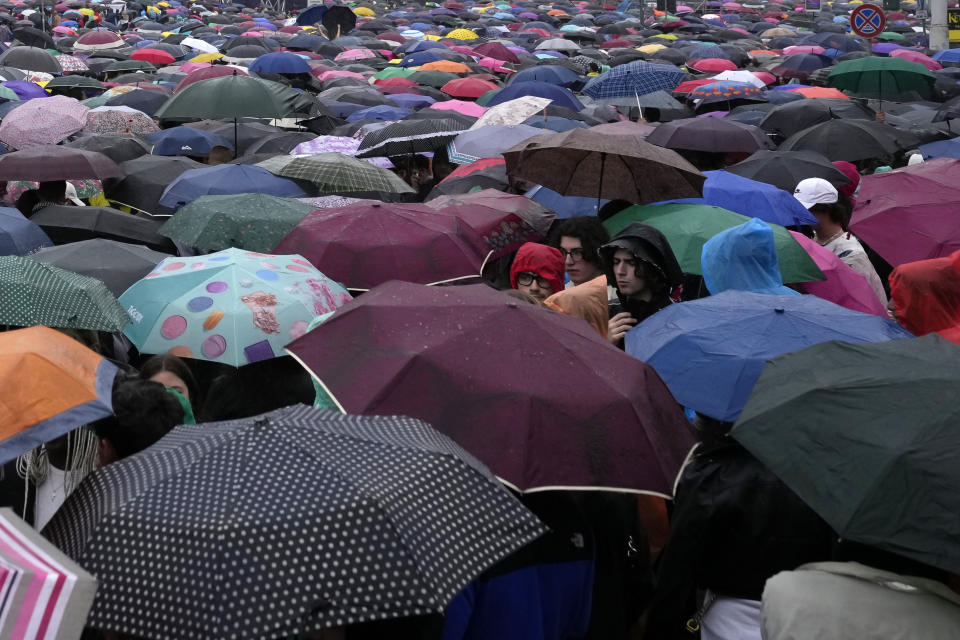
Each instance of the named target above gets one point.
<point>710,352</point>
<point>421,58</point>
<point>186,141</point>
<point>280,62</point>
<point>313,15</point>
<point>226,179</point>
<point>19,236</point>
<point>634,79</point>
<point>550,73</point>
<point>561,97</point>
<point>379,112</point>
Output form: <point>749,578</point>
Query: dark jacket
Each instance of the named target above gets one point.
<point>734,525</point>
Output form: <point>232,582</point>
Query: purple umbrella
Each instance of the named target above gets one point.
<point>589,415</point>
<point>26,90</point>
<point>886,47</point>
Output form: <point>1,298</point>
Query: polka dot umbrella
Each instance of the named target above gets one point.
<point>233,306</point>
<point>286,523</point>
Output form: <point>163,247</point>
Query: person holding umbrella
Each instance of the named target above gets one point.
<point>641,265</point>
<point>833,211</point>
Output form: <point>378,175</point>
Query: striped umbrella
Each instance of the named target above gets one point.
<point>38,294</point>
<point>410,136</point>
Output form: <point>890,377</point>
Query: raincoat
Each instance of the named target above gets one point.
<point>587,301</point>
<point>926,295</point>
<point>650,246</point>
<point>743,258</point>
<point>545,261</point>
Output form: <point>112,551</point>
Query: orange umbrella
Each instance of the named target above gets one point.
<point>556,12</point>
<point>821,92</point>
<point>52,385</point>
<point>446,65</point>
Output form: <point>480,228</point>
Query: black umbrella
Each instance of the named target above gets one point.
<point>784,169</point>
<point>33,37</point>
<point>280,143</point>
<point>787,119</point>
<point>711,135</point>
<point>145,100</point>
<point>286,523</point>
<point>65,224</point>
<point>850,140</point>
<point>55,162</point>
<point>410,136</point>
<point>117,264</point>
<point>338,20</point>
<point>119,147</point>
<point>30,59</point>
<point>146,178</point>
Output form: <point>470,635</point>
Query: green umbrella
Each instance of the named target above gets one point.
<point>688,227</point>
<point>434,79</point>
<point>866,434</point>
<point>487,97</point>
<point>882,78</point>
<point>34,293</point>
<point>231,97</point>
<point>130,65</point>
<point>251,221</point>
<point>891,36</point>
<point>74,82</point>
<point>396,72</point>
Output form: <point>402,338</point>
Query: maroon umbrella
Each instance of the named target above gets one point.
<point>910,214</point>
<point>56,162</point>
<point>538,396</point>
<point>369,242</point>
<point>496,51</point>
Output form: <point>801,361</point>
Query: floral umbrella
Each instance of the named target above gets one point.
<point>40,122</point>
<point>72,63</point>
<point>119,119</point>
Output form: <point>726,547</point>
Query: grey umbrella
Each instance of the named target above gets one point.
<point>285,523</point>
<point>117,264</point>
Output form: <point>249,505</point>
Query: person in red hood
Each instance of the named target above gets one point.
<point>537,270</point>
<point>925,296</point>
<point>850,189</point>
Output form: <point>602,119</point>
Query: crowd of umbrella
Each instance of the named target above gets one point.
<point>306,218</point>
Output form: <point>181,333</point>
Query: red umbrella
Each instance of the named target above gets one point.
<point>153,56</point>
<point>689,85</point>
<point>497,51</point>
<point>713,65</point>
<point>538,396</point>
<point>394,82</point>
<point>911,213</point>
<point>369,242</point>
<point>468,87</point>
<point>618,44</point>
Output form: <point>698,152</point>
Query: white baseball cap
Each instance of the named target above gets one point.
<point>815,191</point>
<point>71,194</point>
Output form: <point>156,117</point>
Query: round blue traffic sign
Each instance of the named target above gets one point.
<point>868,20</point>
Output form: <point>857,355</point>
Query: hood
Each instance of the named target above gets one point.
<point>645,243</point>
<point>587,301</point>
<point>850,170</point>
<point>743,258</point>
<point>927,294</point>
<point>540,259</point>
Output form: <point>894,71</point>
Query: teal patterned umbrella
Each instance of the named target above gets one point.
<point>34,293</point>
<point>252,221</point>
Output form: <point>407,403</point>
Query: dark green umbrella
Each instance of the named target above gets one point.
<point>866,434</point>
<point>689,226</point>
<point>129,65</point>
<point>882,78</point>
<point>251,221</point>
<point>433,78</point>
<point>34,293</point>
<point>229,97</point>
<point>74,82</point>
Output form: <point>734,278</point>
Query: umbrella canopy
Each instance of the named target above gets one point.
<point>883,78</point>
<point>333,172</point>
<point>55,162</point>
<point>843,285</point>
<point>30,59</point>
<point>233,306</point>
<point>751,198</point>
<point>787,119</point>
<point>119,120</point>
<point>689,226</point>
<point>488,142</point>
<point>874,477</point>
<point>910,214</point>
<point>512,112</point>
<point>710,352</point>
<point>251,221</point>
<point>410,136</point>
<point>588,163</point>
<point>119,147</point>
<point>357,525</point>
<point>367,243</point>
<point>710,134</point>
<point>785,169</point>
<point>19,236</point>
<point>186,141</point>
<point>634,79</point>
<point>117,264</point>
<point>233,96</point>
<point>226,179</point>
<point>66,224</point>
<point>590,415</point>
<point>41,122</point>
<point>38,294</point>
<point>850,140</point>
<point>145,180</point>
<point>55,384</point>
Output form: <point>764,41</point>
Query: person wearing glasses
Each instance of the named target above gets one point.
<point>579,240</point>
<point>537,270</point>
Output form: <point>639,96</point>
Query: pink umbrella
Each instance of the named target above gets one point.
<point>494,65</point>
<point>767,77</point>
<point>255,34</point>
<point>64,31</point>
<point>916,56</point>
<point>460,106</point>
<point>843,285</point>
<point>188,67</point>
<point>804,48</point>
<point>330,75</point>
<point>40,122</point>
<point>355,54</point>
<point>713,65</point>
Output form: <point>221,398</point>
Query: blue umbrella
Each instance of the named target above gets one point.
<point>947,55</point>
<point>710,352</point>
<point>421,58</point>
<point>551,73</point>
<point>941,149</point>
<point>412,101</point>
<point>305,41</point>
<point>225,179</point>
<point>379,112</point>
<point>312,15</point>
<point>561,97</point>
<point>635,78</point>
<point>186,141</point>
<point>415,46</point>
<point>751,198</point>
<point>565,206</point>
<point>19,236</point>
<point>280,62</point>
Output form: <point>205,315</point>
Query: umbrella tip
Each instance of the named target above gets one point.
<point>779,310</point>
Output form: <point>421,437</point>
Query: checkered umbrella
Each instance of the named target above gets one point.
<point>38,294</point>
<point>636,78</point>
<point>410,136</point>
<point>336,173</point>
<point>286,523</point>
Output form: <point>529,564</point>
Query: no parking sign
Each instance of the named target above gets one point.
<point>868,21</point>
